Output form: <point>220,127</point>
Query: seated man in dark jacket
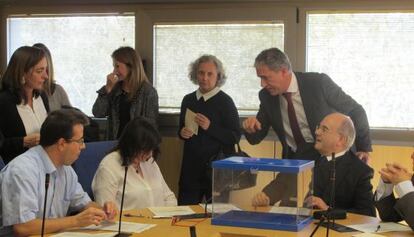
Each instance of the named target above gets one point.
<point>394,176</point>
<point>353,189</point>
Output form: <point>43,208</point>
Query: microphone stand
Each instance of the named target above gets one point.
<point>328,215</point>
<point>47,179</point>
<point>122,205</point>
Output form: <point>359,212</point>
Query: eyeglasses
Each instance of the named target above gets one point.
<point>323,128</point>
<point>80,141</point>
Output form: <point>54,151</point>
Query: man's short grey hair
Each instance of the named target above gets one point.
<point>274,58</point>
<point>193,69</point>
<point>347,130</point>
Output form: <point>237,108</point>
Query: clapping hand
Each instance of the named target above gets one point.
<point>394,173</point>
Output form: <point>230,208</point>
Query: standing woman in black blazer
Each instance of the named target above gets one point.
<point>23,105</point>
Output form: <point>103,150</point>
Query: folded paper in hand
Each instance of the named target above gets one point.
<point>190,121</point>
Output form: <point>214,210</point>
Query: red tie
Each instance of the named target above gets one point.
<point>297,135</point>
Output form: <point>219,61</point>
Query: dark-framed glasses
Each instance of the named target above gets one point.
<point>80,141</point>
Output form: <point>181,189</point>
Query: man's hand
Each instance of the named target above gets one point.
<point>186,133</point>
<point>202,121</point>
<point>261,199</point>
<point>90,216</point>
<point>316,202</point>
<point>110,210</point>
<point>395,173</point>
<point>251,125</point>
<point>364,156</point>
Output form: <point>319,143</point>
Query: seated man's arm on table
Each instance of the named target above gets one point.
<point>391,209</point>
<point>26,220</point>
<point>385,202</point>
<point>405,204</point>
<point>90,216</point>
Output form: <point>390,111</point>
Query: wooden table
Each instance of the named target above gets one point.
<point>205,229</point>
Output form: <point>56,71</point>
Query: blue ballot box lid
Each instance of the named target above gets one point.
<point>264,164</point>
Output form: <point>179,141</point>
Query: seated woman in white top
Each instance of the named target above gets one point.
<point>145,185</point>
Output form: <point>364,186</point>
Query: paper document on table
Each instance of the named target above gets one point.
<point>367,235</point>
<point>171,211</point>
<point>291,210</point>
<point>220,207</point>
<point>380,227</point>
<point>79,234</point>
<point>190,121</point>
<point>129,227</point>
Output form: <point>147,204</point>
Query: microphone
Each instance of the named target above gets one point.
<point>47,180</point>
<point>331,214</point>
<point>122,205</point>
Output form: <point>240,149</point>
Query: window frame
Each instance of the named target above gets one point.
<point>379,136</point>
<point>147,13</point>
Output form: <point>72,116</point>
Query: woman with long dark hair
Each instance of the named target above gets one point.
<point>23,104</point>
<point>137,148</point>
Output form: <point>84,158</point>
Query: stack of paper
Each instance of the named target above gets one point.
<point>291,210</point>
<point>128,227</point>
<point>171,211</point>
<point>380,227</point>
<point>78,234</point>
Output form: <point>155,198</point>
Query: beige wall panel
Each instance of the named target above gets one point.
<point>170,161</point>
<point>389,154</point>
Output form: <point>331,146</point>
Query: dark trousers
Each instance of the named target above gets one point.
<point>195,194</point>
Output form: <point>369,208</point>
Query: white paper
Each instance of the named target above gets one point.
<point>367,235</point>
<point>384,227</point>
<point>220,207</point>
<point>129,227</point>
<point>190,121</point>
<point>291,210</point>
<point>171,211</point>
<point>79,234</point>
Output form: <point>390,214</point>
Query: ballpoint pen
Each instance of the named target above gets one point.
<point>378,228</point>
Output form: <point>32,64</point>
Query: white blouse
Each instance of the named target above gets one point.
<point>140,192</point>
<point>32,118</point>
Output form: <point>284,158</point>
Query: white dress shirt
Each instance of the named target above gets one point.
<point>300,115</point>
<point>385,189</point>
<point>32,118</point>
<point>140,192</point>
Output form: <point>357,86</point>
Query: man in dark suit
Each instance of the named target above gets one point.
<point>353,189</point>
<point>294,103</point>
<point>395,177</point>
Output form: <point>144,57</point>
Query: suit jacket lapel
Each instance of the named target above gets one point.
<point>307,99</point>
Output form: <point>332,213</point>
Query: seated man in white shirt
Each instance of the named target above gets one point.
<point>23,182</point>
<point>395,177</point>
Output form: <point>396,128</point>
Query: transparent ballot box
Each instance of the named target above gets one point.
<point>238,182</point>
